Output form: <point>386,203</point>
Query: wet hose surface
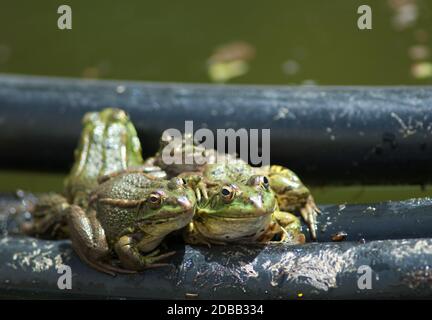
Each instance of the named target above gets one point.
<point>327,134</point>
<point>400,268</point>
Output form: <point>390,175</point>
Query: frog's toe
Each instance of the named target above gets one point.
<point>112,270</point>
<point>154,257</point>
<point>309,214</point>
<point>203,189</point>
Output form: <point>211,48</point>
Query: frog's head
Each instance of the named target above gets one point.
<point>107,115</point>
<point>169,204</point>
<point>236,210</point>
<point>236,200</point>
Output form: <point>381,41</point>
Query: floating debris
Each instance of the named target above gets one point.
<point>421,70</point>
<point>290,67</point>
<point>418,52</point>
<point>222,72</point>
<point>405,13</point>
<point>230,61</point>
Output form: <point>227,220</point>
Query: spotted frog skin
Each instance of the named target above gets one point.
<point>115,210</point>
<point>108,143</point>
<point>127,217</point>
<point>234,202</point>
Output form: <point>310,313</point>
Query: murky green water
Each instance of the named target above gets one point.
<point>282,42</point>
<point>295,40</point>
<point>44,182</point>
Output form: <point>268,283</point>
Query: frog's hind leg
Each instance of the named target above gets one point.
<point>292,194</point>
<point>49,218</point>
<point>88,240</point>
<point>309,212</point>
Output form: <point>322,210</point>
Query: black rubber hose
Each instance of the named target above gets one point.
<point>326,134</point>
<point>377,221</point>
<point>398,269</point>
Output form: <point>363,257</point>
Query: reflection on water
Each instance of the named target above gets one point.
<point>295,41</point>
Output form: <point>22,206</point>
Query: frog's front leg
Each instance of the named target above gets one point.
<point>49,218</point>
<point>289,227</point>
<point>196,183</point>
<point>89,241</point>
<point>131,257</point>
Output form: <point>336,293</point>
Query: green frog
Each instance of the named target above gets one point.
<point>292,195</point>
<point>127,217</point>
<point>108,143</point>
<point>115,210</point>
<point>237,205</point>
<point>234,202</point>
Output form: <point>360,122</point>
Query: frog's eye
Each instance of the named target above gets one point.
<point>90,117</point>
<point>119,115</point>
<point>259,181</point>
<point>227,193</point>
<point>154,200</point>
<point>175,183</point>
<point>265,182</point>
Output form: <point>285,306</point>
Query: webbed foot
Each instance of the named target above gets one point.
<point>49,218</point>
<point>131,258</point>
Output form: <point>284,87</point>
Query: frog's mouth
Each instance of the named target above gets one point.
<point>233,217</point>
<point>175,210</point>
<point>165,218</point>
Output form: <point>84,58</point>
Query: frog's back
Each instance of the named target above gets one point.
<point>108,143</point>
<point>232,170</point>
